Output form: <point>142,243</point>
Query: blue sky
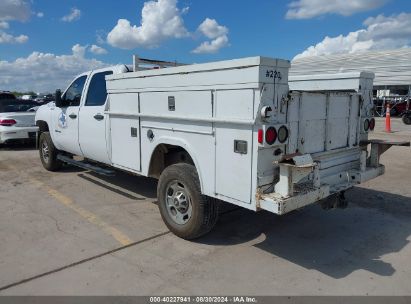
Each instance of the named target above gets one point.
<point>241,28</point>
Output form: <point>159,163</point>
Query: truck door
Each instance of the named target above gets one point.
<point>65,120</point>
<point>93,122</point>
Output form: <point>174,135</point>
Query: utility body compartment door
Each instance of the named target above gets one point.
<point>234,144</point>
<point>125,132</point>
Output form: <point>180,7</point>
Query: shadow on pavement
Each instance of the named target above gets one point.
<point>336,242</point>
<point>18,146</point>
<point>140,185</point>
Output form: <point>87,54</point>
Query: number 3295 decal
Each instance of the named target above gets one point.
<point>273,74</point>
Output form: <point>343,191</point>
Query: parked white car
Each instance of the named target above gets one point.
<point>17,121</point>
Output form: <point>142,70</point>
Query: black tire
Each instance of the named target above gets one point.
<point>50,161</point>
<point>406,119</point>
<point>204,210</point>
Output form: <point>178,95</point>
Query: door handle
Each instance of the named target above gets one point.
<point>98,117</point>
<point>73,116</point>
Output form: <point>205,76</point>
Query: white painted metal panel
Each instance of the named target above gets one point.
<point>355,81</point>
<point>312,123</point>
<point>125,102</point>
<point>125,148</point>
<point>186,103</point>
<point>233,170</point>
<point>250,71</point>
<point>337,121</point>
<point>200,146</point>
<point>235,104</point>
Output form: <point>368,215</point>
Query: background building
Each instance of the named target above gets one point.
<point>392,68</point>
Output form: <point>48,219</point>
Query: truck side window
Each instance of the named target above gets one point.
<point>73,93</point>
<point>97,91</point>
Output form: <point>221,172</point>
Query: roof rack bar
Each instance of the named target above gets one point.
<point>137,61</point>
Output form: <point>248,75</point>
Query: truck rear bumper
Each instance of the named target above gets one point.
<point>304,181</point>
<point>306,194</point>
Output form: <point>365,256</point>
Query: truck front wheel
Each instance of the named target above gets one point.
<point>185,211</point>
<point>48,153</point>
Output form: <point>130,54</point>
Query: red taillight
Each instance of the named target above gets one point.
<point>260,136</point>
<point>7,122</point>
<point>270,135</point>
<point>372,124</point>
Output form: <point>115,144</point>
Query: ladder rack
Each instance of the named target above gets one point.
<point>142,64</point>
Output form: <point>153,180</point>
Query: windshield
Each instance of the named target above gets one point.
<point>16,106</point>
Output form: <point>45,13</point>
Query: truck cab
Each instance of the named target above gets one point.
<point>85,97</point>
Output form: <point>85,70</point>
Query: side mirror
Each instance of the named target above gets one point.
<point>58,101</point>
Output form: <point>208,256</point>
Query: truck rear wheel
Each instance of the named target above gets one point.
<point>185,211</point>
<point>48,153</point>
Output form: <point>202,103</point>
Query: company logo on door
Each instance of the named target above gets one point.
<point>63,120</point>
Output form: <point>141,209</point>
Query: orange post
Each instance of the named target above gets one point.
<point>388,119</point>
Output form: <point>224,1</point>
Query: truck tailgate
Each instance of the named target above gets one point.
<point>326,121</point>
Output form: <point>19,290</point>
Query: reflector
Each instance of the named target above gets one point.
<point>372,124</point>
<point>260,136</point>
<point>282,134</point>
<point>366,125</point>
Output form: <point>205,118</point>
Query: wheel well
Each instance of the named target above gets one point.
<point>165,155</point>
<point>43,126</point>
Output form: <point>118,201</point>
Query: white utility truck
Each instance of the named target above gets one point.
<point>238,131</point>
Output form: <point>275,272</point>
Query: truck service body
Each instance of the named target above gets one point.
<point>238,131</point>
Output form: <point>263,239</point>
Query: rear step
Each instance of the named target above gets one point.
<point>85,165</point>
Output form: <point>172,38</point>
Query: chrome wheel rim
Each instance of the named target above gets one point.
<point>179,205</point>
<point>45,152</point>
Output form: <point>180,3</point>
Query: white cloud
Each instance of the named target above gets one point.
<point>74,15</point>
<point>4,25</point>
<point>43,72</point>
<point>381,32</point>
<point>40,14</point>
<point>209,47</point>
<point>14,10</point>
<point>79,50</point>
<point>306,9</point>
<point>97,50</point>
<point>161,20</point>
<point>10,39</point>
<point>100,37</point>
<point>212,30</point>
